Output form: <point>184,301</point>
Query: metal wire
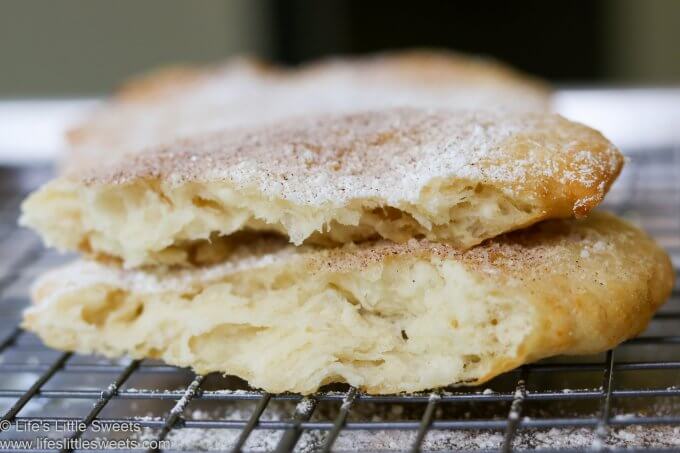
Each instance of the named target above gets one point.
<point>252,422</point>
<point>515,410</point>
<point>341,419</point>
<point>425,422</point>
<point>606,400</point>
<point>650,193</point>
<point>175,416</point>
<point>105,397</point>
<point>303,412</point>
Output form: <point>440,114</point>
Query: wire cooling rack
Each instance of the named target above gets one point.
<point>627,398</point>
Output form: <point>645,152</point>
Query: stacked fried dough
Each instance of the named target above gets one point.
<point>398,222</point>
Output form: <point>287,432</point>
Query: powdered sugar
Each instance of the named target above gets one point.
<point>382,440</point>
<point>388,155</point>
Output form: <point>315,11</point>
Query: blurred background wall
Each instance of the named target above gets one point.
<point>62,47</point>
<point>83,47</point>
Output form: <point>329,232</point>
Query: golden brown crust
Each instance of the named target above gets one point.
<point>428,67</point>
<point>425,67</point>
<point>163,81</point>
<point>169,80</point>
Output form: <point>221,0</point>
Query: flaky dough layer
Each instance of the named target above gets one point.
<point>454,177</point>
<point>383,317</point>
